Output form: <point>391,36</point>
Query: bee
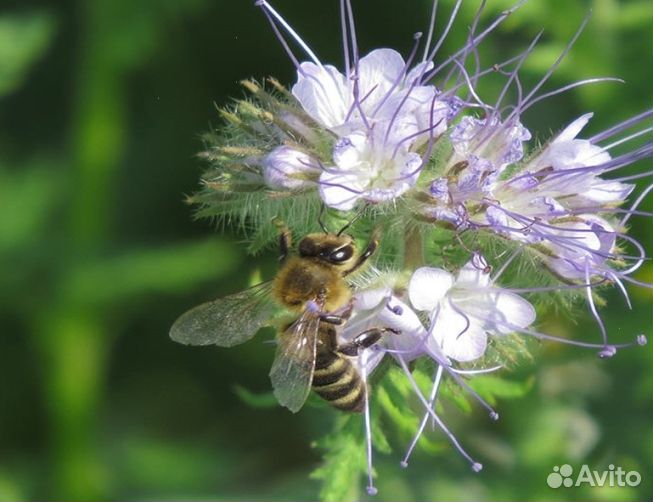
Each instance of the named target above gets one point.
<point>312,285</point>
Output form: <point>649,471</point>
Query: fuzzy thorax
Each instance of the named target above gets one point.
<point>301,280</point>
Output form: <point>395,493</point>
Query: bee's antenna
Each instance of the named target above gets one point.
<point>350,222</point>
<point>319,219</point>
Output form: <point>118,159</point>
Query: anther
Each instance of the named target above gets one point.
<point>494,416</point>
<point>476,467</point>
<point>607,352</point>
<point>642,340</point>
<point>396,310</point>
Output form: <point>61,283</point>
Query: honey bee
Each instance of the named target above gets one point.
<point>312,285</point>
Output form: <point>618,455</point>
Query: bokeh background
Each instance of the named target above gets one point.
<point>102,103</point>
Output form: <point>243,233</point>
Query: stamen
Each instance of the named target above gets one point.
<point>371,489</point>
<point>476,372</point>
<point>429,37</point>
<point>566,88</point>
<point>507,263</point>
<point>267,7</point>
<point>402,73</point>
<point>470,86</point>
<point>543,336</point>
<point>425,418</point>
<point>345,41</point>
<point>550,71</point>
<point>626,124</point>
<point>515,71</point>
<point>637,202</point>
<point>476,467</point>
<point>283,42</point>
<point>352,32</point>
<point>590,301</point>
<point>500,19</point>
<point>623,290</point>
<point>442,38</point>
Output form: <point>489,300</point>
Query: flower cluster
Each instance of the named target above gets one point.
<point>410,146</point>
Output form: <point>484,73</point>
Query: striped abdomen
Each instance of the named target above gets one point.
<point>337,381</point>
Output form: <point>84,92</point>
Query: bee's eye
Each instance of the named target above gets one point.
<point>307,248</point>
<point>341,255</point>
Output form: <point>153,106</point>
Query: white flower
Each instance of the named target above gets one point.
<point>566,152</point>
<point>381,89</point>
<point>366,168</point>
<point>580,248</point>
<point>285,168</point>
<point>462,311</point>
<point>379,308</point>
<point>381,115</point>
<point>490,139</point>
<point>465,309</point>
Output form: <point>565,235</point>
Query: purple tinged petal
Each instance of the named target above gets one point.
<point>283,167</point>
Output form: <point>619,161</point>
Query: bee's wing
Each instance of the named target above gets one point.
<point>294,361</point>
<point>226,321</point>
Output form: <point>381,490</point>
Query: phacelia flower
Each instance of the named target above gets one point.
<point>411,147</point>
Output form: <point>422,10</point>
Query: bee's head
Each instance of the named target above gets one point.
<point>329,248</point>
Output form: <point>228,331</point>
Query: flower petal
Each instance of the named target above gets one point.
<point>347,151</point>
<point>377,72</point>
<point>371,298</point>
<point>323,93</point>
<point>572,130</point>
<point>283,168</point>
<point>499,311</point>
<point>458,335</point>
<point>605,191</point>
<point>340,190</point>
<point>418,72</point>
<point>428,286</point>
<point>473,274</point>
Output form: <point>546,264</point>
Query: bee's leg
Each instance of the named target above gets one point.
<point>340,318</point>
<point>332,319</point>
<point>369,251</point>
<point>285,239</point>
<point>364,341</point>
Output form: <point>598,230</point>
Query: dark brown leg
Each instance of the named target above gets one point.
<point>285,239</point>
<point>364,341</point>
<point>372,245</point>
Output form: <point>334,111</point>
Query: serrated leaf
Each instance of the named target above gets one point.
<point>342,465</point>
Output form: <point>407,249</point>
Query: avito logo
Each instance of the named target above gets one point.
<point>563,476</point>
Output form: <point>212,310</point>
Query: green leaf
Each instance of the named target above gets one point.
<point>491,387</point>
<point>29,195</point>
<point>174,269</point>
<point>262,400</point>
<point>23,40</point>
<point>343,463</point>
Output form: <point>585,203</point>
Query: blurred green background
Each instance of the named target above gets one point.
<point>101,106</point>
